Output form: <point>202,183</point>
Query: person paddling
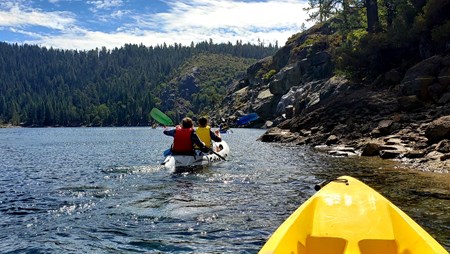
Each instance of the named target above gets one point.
<point>205,133</point>
<point>184,138</point>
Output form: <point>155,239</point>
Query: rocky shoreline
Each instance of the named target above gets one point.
<point>403,113</point>
<point>373,123</point>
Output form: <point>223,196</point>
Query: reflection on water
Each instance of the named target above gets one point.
<point>103,190</point>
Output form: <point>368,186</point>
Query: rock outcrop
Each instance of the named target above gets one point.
<point>403,114</point>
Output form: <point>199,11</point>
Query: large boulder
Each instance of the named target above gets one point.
<point>438,130</point>
<point>409,103</point>
<point>420,77</point>
<point>385,126</point>
<point>371,149</point>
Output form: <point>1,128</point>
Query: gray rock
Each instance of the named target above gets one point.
<point>385,126</point>
<point>444,99</point>
<point>409,103</point>
<point>415,154</point>
<point>443,146</point>
<point>436,91</point>
<point>445,157</point>
<point>438,130</point>
<point>286,78</point>
<point>418,78</point>
<point>371,149</point>
<point>389,154</point>
<point>332,139</point>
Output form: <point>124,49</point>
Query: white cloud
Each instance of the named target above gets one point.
<point>185,21</point>
<point>16,17</point>
<point>28,33</point>
<point>226,20</point>
<point>224,14</point>
<point>119,13</point>
<point>105,4</point>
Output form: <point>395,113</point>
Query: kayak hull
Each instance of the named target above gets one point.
<point>247,118</point>
<point>186,163</point>
<point>347,216</point>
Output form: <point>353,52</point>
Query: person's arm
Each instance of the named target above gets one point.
<point>196,140</point>
<point>214,137</point>
<point>169,132</point>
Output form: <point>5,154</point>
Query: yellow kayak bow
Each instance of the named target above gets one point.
<point>347,216</point>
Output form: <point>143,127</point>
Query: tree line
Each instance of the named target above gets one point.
<point>384,15</point>
<point>375,35</point>
<point>99,87</point>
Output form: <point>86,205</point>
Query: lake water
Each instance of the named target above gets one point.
<point>103,190</point>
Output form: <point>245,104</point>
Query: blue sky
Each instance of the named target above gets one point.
<point>87,24</point>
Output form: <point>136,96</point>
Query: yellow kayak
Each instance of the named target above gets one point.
<point>347,216</point>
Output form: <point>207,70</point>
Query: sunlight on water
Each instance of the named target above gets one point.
<point>103,190</point>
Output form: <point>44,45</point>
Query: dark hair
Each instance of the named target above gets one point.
<point>202,121</point>
<point>187,123</point>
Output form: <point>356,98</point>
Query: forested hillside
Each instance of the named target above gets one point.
<point>101,87</point>
<point>200,85</point>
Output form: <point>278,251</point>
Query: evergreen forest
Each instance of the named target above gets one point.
<point>103,87</point>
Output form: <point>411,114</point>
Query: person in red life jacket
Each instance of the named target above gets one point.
<point>205,133</point>
<point>184,138</point>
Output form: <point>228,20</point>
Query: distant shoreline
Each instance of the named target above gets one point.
<point>63,126</point>
<point>8,126</point>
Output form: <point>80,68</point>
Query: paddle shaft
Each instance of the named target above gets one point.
<point>220,156</point>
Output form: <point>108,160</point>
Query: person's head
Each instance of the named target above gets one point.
<point>202,121</point>
<point>187,123</point>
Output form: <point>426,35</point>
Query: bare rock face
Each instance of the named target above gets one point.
<point>438,130</point>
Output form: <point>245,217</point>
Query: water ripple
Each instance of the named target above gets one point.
<point>103,190</point>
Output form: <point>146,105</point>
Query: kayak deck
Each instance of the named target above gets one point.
<point>347,216</point>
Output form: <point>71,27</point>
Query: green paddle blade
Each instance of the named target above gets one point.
<point>160,117</point>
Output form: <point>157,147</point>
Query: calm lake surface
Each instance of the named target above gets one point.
<point>103,190</point>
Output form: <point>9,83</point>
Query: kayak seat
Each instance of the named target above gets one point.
<point>376,246</point>
<point>329,245</point>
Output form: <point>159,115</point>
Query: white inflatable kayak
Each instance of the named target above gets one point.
<point>180,163</point>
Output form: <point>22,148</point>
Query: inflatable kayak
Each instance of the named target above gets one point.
<point>246,119</point>
<point>180,163</point>
<point>347,216</point>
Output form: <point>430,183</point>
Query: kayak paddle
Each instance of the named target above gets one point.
<point>220,156</point>
<point>160,117</point>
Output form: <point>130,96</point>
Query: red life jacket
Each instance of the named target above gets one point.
<point>182,143</point>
